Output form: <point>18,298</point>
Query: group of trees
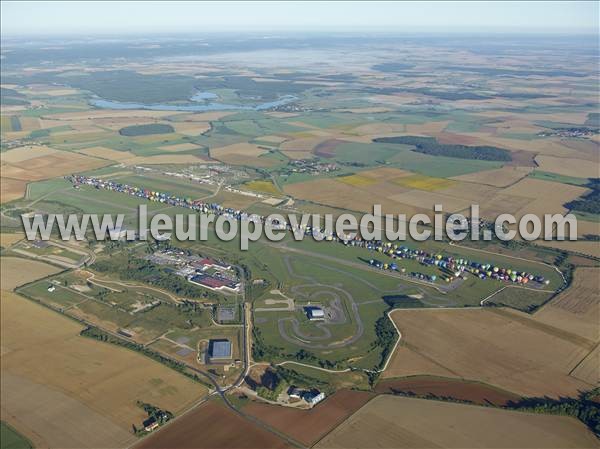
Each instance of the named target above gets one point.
<point>271,385</point>
<point>137,269</point>
<point>590,202</point>
<point>430,145</point>
<point>586,407</point>
<point>386,337</point>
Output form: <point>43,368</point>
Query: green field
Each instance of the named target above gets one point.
<point>11,439</point>
<point>547,176</point>
<point>101,305</point>
<point>145,130</point>
<point>171,185</point>
<point>402,156</point>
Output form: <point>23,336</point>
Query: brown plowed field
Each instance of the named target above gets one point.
<point>462,390</point>
<point>309,426</point>
<point>327,149</point>
<point>212,426</point>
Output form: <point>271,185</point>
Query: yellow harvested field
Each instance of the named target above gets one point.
<point>296,155</point>
<point>202,116</point>
<point>7,239</point>
<point>500,177</point>
<point>244,149</point>
<point>107,153</point>
<point>406,362</point>
<point>25,153</point>
<point>302,125</point>
<point>588,370</point>
<point>113,123</point>
<point>305,144</point>
<point>60,421</point>
<point>368,110</point>
<point>385,173</point>
<point>180,147</point>
<point>379,129</point>
<point>280,114</point>
<point>29,123</point>
<point>396,422</point>
<point>242,154</point>
<point>397,99</point>
<point>272,139</point>
<point>548,199</point>
<point>330,192</point>
<point>262,186</point>
<point>190,128</point>
<point>423,182</point>
<point>356,180</point>
<point>500,347</point>
<point>561,117</point>
<point>569,166</point>
<point>476,193</point>
<point>588,227</point>
<point>15,271</point>
<point>577,309</point>
<point>236,200</point>
<point>167,159</point>
<point>51,91</point>
<point>503,204</point>
<point>7,109</point>
<point>426,129</point>
<point>580,246</point>
<point>251,161</point>
<point>11,189</point>
<point>102,381</point>
<point>427,200</point>
<point>55,164</point>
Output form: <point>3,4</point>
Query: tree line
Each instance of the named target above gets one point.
<point>430,145</point>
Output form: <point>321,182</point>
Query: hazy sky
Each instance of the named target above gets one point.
<point>86,17</point>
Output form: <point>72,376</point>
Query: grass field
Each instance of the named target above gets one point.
<point>171,185</point>
<point>546,176</point>
<point>521,299</point>
<point>11,439</point>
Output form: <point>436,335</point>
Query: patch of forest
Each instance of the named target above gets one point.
<point>430,145</point>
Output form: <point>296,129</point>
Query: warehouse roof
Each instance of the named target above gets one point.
<point>219,349</point>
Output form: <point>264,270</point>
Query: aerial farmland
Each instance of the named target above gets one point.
<point>323,341</point>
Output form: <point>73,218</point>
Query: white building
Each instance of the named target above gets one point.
<point>315,313</point>
<point>314,398</point>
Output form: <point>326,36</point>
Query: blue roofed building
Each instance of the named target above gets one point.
<point>219,349</point>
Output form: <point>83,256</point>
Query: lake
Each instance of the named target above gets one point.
<point>198,97</point>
